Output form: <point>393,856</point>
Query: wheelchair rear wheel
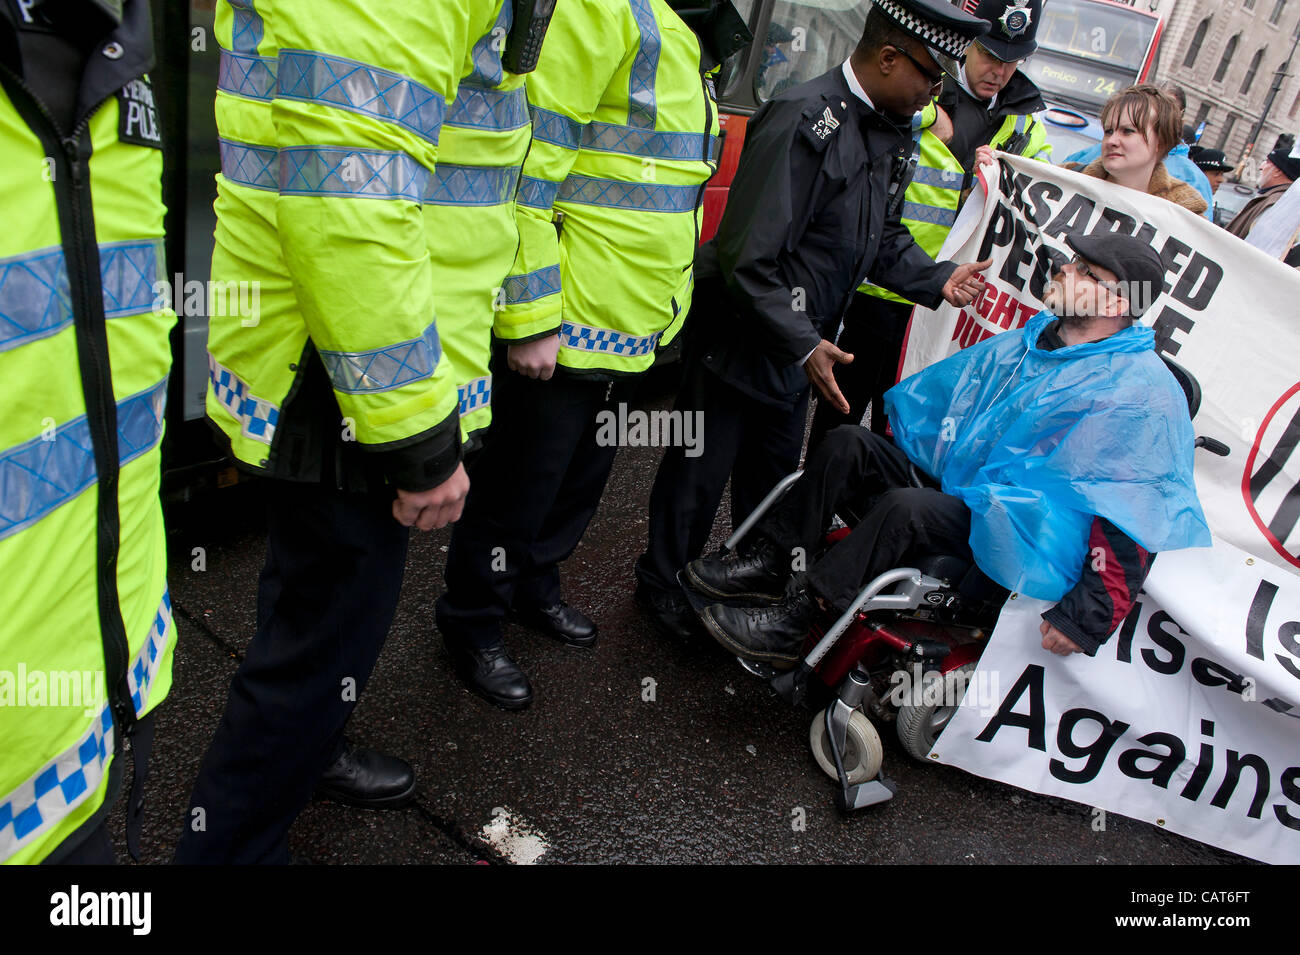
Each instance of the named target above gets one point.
<point>920,723</point>
<point>863,750</point>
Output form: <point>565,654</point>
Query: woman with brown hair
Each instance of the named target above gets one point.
<point>1141,125</point>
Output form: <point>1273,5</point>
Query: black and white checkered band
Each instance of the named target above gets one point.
<point>944,39</point>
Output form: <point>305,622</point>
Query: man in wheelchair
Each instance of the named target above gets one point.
<point>1058,458</point>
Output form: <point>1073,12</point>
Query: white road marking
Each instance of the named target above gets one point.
<point>513,838</point>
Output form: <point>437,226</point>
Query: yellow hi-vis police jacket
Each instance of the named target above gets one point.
<point>86,631</point>
<point>485,137</point>
<point>624,127</point>
<point>330,119</point>
<point>932,198</point>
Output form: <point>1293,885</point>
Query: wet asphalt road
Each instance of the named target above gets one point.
<point>714,769</point>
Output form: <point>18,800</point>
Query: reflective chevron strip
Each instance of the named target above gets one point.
<point>938,178</point>
<point>35,297</point>
<point>382,369</point>
<point>248,27</point>
<point>556,128</point>
<point>476,107</point>
<point>934,215</point>
<point>641,106</point>
<point>42,474</point>
<point>532,285</point>
<point>253,166</point>
<point>244,74</point>
<point>608,137</point>
<point>537,193</point>
<point>647,197</point>
<point>361,88</point>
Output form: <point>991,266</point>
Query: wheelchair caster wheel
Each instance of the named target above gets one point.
<point>863,751</point>
<point>919,724</point>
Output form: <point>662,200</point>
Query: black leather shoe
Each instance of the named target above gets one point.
<point>567,624</point>
<point>371,780</point>
<point>490,673</point>
<point>671,615</point>
<point>759,573</point>
<point>772,634</point>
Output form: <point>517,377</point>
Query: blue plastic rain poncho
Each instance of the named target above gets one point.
<point>1037,442</point>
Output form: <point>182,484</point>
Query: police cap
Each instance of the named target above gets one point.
<point>1210,160</point>
<point>1014,24</point>
<point>946,30</point>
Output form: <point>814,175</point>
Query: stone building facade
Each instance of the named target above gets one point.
<point>1225,54</point>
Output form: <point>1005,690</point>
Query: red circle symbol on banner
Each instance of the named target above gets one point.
<point>1272,495</point>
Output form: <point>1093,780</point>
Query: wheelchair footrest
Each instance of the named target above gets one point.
<point>870,793</point>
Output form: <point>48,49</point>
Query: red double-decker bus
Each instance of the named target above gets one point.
<point>794,41</point>
<point>1088,51</point>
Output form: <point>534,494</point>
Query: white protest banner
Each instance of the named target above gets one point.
<point>1188,717</point>
<point>1228,313</point>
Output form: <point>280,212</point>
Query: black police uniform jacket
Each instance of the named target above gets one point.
<point>804,226</point>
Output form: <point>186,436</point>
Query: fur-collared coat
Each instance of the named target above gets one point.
<point>1162,184</point>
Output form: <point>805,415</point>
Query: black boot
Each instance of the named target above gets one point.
<point>363,777</point>
<point>769,634</point>
<point>758,573</point>
<point>567,624</point>
<point>669,612</point>
<point>490,672</point>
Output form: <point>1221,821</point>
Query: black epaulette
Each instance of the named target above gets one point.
<point>822,121</point>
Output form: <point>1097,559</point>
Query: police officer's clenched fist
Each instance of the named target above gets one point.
<point>438,507</point>
<point>534,359</point>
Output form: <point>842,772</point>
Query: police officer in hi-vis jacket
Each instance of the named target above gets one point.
<point>84,359</point>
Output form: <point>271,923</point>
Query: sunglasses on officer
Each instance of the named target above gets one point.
<point>936,80</point>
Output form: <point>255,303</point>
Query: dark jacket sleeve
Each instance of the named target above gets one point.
<point>422,461</point>
<point>767,212</point>
<point>1113,574</point>
<point>903,267</point>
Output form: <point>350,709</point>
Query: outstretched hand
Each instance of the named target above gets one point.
<point>964,285</point>
<point>820,369</point>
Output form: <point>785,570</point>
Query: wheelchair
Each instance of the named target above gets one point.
<point>919,630</point>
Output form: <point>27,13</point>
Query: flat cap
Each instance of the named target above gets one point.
<point>1134,263</point>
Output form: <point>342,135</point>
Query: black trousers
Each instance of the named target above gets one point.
<point>753,444</point>
<point>865,479</point>
<point>873,334</point>
<point>534,488</point>
<point>325,601</point>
